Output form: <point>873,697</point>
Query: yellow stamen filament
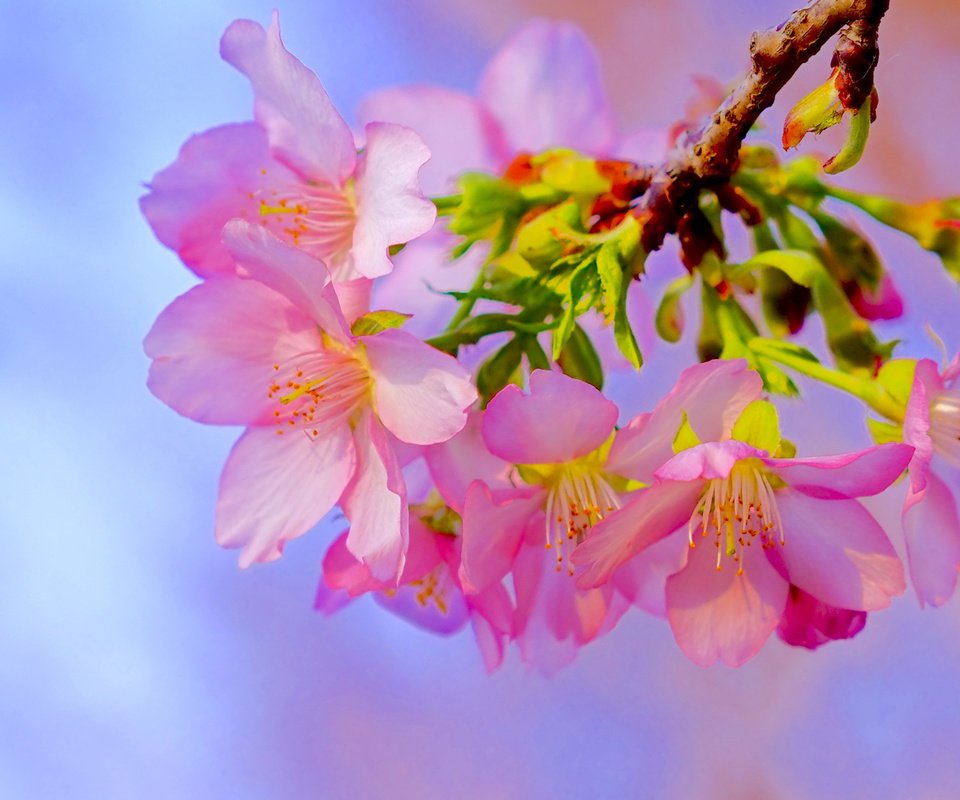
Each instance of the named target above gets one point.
<point>579,497</point>
<point>739,509</point>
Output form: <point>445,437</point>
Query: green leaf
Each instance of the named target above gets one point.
<point>498,370</point>
<point>615,280</point>
<point>376,321</point>
<point>579,283</point>
<point>475,328</point>
<point>536,357</point>
<point>541,241</point>
<point>579,358</point>
<point>758,425</point>
<point>669,319</point>
<point>854,144</point>
<point>801,266</point>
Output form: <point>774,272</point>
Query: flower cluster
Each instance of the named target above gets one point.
<point>483,475</point>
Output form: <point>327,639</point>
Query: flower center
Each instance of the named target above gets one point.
<point>579,496</point>
<point>317,218</point>
<point>945,425</point>
<point>316,390</point>
<point>739,509</point>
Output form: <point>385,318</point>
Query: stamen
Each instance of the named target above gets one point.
<point>579,497</point>
<point>318,218</point>
<point>738,509</point>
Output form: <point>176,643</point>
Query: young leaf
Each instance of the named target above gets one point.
<point>498,370</point>
<point>579,359</point>
<point>376,321</point>
<point>669,319</point>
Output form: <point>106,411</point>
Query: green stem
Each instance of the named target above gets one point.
<point>448,204</point>
<point>869,391</point>
<point>466,305</point>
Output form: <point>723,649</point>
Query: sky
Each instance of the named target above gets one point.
<point>139,661</point>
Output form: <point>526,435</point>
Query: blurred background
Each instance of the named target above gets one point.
<point>137,660</point>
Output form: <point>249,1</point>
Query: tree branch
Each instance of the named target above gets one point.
<point>706,159</point>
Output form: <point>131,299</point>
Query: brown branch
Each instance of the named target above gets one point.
<point>707,158</point>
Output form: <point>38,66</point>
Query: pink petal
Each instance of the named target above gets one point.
<point>214,179</point>
<point>809,623</point>
<point>861,474</point>
<point>707,461</point>
<point>837,552</point>
<point>493,528</point>
<point>642,579</point>
<point>460,133</point>
<point>354,298</point>
<point>561,419</point>
<point>275,488</point>
<point>343,573</point>
<point>422,395</point>
<point>545,88</point>
<point>304,129</point>
<point>390,206</point>
<point>651,515</point>
<point>720,614</point>
<point>712,394</point>
<point>916,425</point>
<point>456,463</point>
<point>376,504</point>
<point>213,349</point>
<point>554,618</point>
<point>932,532</point>
<point>300,278</point>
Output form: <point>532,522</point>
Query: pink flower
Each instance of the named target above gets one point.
<point>269,348</point>
<point>428,592</point>
<point>509,514</point>
<point>295,171</point>
<point>727,599</point>
<point>930,520</point>
<point>551,468</point>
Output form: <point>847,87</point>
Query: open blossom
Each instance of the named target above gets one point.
<point>930,520</point>
<point>756,524</point>
<point>295,170</point>
<point>428,592</point>
<point>269,348</point>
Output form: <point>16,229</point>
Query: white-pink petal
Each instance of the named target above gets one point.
<point>421,394</point>
<point>545,88</point>
<point>459,132</point>
<point>214,348</point>
<point>376,504</point>
<point>390,206</point>
<point>299,277</point>
<point>304,129</point>
<point>276,487</point>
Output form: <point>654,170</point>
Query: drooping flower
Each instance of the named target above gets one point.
<point>295,170</point>
<point>270,348</point>
<point>930,520</point>
<point>428,592</point>
<point>734,498</point>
